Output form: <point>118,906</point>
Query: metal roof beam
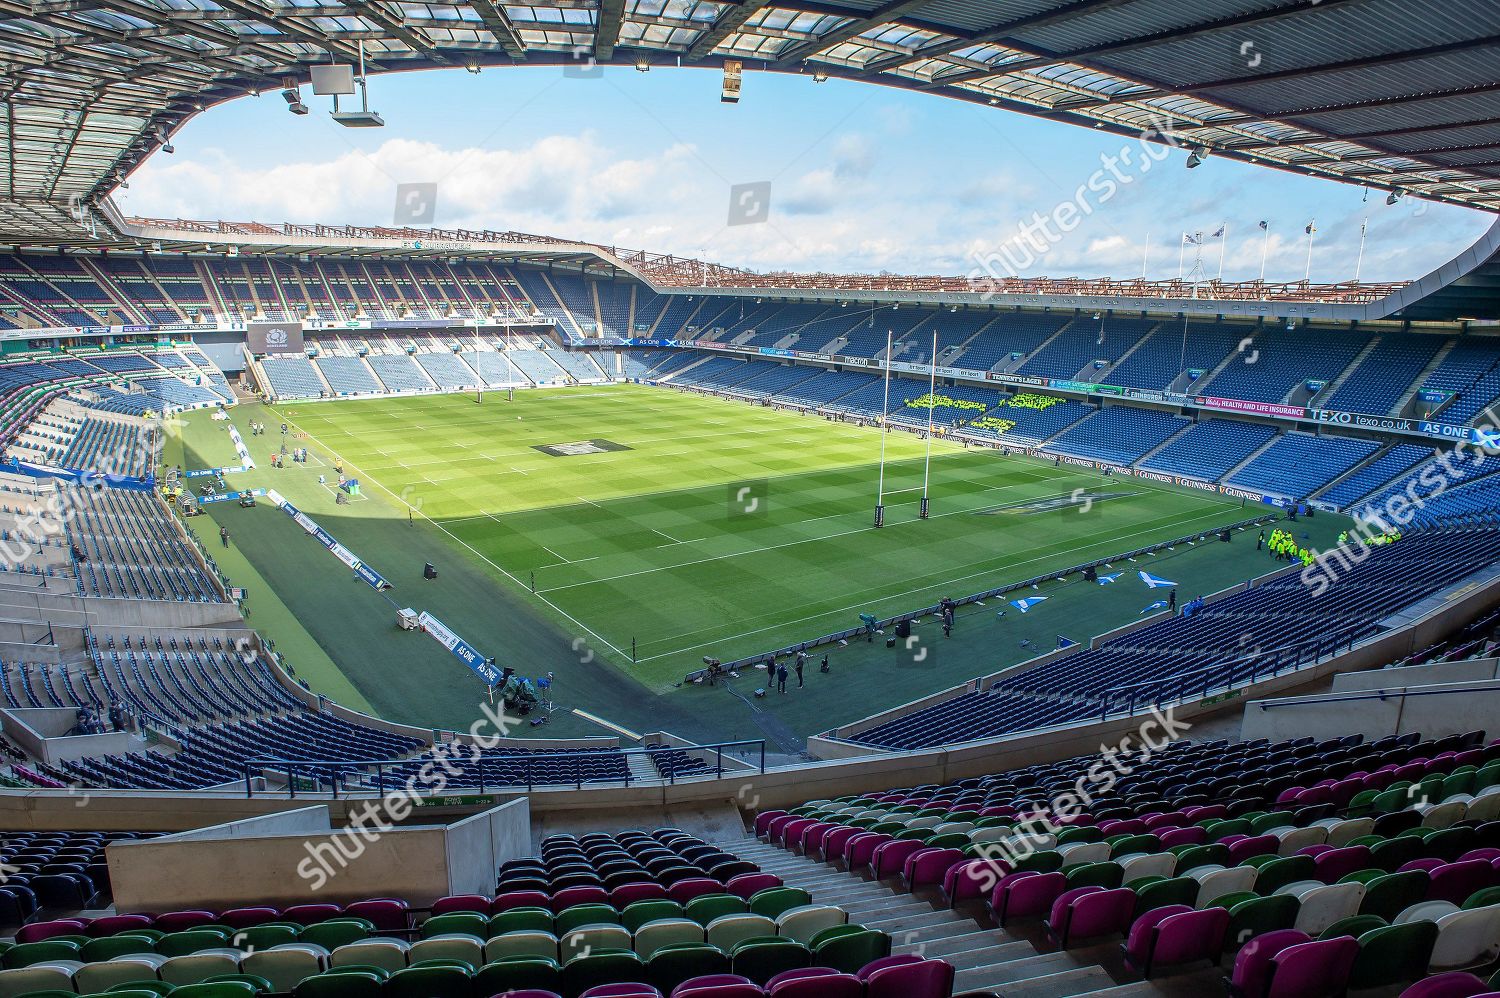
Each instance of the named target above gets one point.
<point>607,28</point>
<point>883,14</point>
<point>730,20</point>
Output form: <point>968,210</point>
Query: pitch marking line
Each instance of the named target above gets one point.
<point>476,553</point>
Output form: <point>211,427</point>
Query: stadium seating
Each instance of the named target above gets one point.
<point>1276,361</point>
<point>1210,448</point>
<point>293,378</point>
<point>448,370</point>
<point>1118,434</point>
<point>399,373</point>
<point>1298,464</point>
<point>1379,381</point>
<point>1400,459</point>
<point>348,375</point>
<point>1085,342</point>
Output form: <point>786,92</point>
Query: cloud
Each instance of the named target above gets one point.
<point>863,204</point>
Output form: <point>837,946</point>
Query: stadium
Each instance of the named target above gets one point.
<point>426,610</point>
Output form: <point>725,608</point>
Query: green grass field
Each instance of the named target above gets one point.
<point>644,540</point>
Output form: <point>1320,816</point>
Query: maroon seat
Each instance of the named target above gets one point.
<point>176,921</point>
<point>462,902</point>
<point>889,859</point>
<point>1192,835</point>
<point>1336,864</point>
<point>685,890</point>
<point>1252,845</point>
<point>567,898</point>
<point>718,986</point>
<point>109,925</point>
<point>927,867</point>
<point>1456,881</point>
<point>388,914</point>
<point>245,918</point>
<point>923,979</point>
<point>809,833</point>
<point>1090,912</point>
<point>773,829</point>
<point>858,850</point>
<point>814,982</point>
<point>631,893</point>
<point>973,878</point>
<point>746,884</point>
<point>784,833</point>
<point>1458,984</point>
<point>1251,977</point>
<point>1026,894</point>
<point>835,841</point>
<point>311,914</point>
<point>1314,969</point>
<point>38,931</point>
<point>1176,934</point>
<point>621,991</point>
<point>763,821</point>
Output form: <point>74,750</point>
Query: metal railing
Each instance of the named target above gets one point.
<point>453,773</point>
<point>1393,693</point>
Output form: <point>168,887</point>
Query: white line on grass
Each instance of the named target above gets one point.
<point>913,592</point>
<point>517,582</point>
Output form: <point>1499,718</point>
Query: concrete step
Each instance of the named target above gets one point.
<point>1079,981</point>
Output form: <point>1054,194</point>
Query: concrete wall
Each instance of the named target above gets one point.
<point>477,846</point>
<point>1476,670</point>
<point>42,732</point>
<point>1431,710</point>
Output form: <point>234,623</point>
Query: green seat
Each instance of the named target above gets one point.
<point>1392,854</point>
<point>670,966</point>
<point>1266,822</point>
<point>425,982</point>
<point>1390,894</point>
<point>1393,954</point>
<point>1258,916</point>
<point>706,907</point>
<point>1282,871</point>
<point>1460,781</point>
<point>109,947</point>
<point>343,985</point>
<point>762,958</point>
<point>1192,857</point>
<point>336,932</point>
<point>468,923</point>
<point>1354,925</point>
<point>260,984</point>
<point>1107,875</point>
<point>154,987</point>
<point>517,973</point>
<point>774,900</point>
<point>140,992</point>
<point>1079,833</point>
<point>1394,799</point>
<point>910,834</point>
<point>1482,898</point>
<point>53,993</point>
<point>891,828</point>
<point>263,937</point>
<point>217,989</point>
<point>1451,843</point>
<point>1218,828</point>
<point>1228,901</point>
<point>1045,861</point>
<point>993,821</point>
<point>633,916</point>
<point>849,951</point>
<point>1260,860</point>
<point>191,941</point>
<point>584,914</point>
<point>1126,845</point>
<point>26,954</point>
<point>521,920</point>
<point>1361,804</point>
<point>599,967</point>
<point>1160,893</point>
<point>948,840</point>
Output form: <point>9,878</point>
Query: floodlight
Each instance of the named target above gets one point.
<point>1196,157</point>
<point>1394,196</point>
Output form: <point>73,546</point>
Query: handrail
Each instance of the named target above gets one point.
<point>1386,694</point>
<point>335,774</point>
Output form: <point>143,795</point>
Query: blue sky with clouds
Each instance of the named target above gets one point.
<point>863,178</point>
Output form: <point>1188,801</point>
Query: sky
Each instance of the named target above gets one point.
<point>862,179</point>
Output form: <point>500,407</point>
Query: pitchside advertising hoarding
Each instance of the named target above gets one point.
<point>273,337</point>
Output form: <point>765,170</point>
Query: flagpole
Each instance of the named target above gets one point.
<point>1181,256</point>
<point>931,404</point>
<point>1311,228</point>
<point>1223,242</point>
<point>1145,255</point>
<point>1265,248</point>
<point>1359,264</point>
<point>880,495</point>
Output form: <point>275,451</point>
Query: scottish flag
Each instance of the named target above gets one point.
<point>1153,582</point>
<point>1160,604</point>
<point>1105,580</point>
<point>1026,604</point>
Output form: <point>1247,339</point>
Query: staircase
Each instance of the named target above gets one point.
<point>1018,964</point>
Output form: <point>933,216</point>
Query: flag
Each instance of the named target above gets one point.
<point>1065,642</point>
<point>1105,580</point>
<point>1153,582</point>
<point>1264,224</point>
<point>1219,232</point>
<point>1311,227</point>
<point>1160,604</point>
<point>1486,437</point>
<point>1026,604</point>
<point>1193,240</point>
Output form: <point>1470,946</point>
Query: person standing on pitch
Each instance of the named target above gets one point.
<point>801,661</point>
<point>1172,601</point>
<point>780,677</point>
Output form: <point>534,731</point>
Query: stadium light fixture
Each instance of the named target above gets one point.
<point>642,63</point>
<point>820,77</point>
<point>1395,196</point>
<point>292,94</point>
<point>1196,157</point>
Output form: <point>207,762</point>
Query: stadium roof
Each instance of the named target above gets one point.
<point>1397,94</point>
